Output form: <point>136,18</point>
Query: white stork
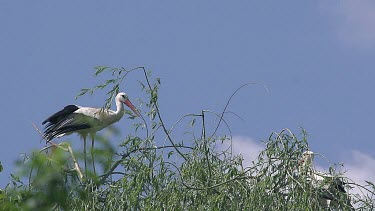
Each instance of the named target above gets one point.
<point>329,186</point>
<point>84,120</point>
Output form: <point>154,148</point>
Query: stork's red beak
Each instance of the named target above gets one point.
<point>130,105</point>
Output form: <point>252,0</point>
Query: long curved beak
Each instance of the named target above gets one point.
<point>130,105</point>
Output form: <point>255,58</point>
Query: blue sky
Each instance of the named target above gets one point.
<point>317,59</point>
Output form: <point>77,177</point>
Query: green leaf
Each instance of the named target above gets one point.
<point>131,114</point>
<point>153,125</point>
<point>152,113</point>
<point>110,81</point>
<point>142,85</point>
<point>101,86</point>
<point>370,183</point>
<point>83,91</point>
<point>99,69</point>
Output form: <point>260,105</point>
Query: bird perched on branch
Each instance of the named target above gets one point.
<point>85,120</point>
<point>330,188</point>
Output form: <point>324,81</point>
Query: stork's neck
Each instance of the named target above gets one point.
<point>307,162</point>
<point>110,116</point>
<point>120,108</point>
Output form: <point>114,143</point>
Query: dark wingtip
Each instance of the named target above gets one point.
<point>51,133</point>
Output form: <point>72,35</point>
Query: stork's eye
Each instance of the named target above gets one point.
<point>124,96</point>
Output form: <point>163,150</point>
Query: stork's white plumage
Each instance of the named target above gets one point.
<point>84,120</point>
<point>307,164</point>
<point>329,185</point>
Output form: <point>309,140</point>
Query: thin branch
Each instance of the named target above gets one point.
<point>229,100</point>
<point>205,141</point>
<point>160,119</point>
<point>124,156</point>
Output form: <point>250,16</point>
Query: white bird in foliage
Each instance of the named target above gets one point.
<point>84,120</point>
<point>330,187</point>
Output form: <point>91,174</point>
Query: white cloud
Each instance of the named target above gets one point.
<point>355,21</point>
<point>245,146</point>
<point>360,167</point>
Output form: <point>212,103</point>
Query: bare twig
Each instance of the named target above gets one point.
<point>229,100</point>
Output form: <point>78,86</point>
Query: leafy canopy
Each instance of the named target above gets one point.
<point>181,167</point>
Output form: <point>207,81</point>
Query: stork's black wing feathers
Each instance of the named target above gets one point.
<point>63,123</point>
<point>58,116</point>
<point>50,134</point>
<point>339,185</point>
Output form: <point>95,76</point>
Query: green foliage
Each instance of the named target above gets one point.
<point>155,168</point>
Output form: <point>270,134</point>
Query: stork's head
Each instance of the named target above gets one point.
<point>123,97</point>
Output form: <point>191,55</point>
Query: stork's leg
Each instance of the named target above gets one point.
<point>84,153</point>
<point>92,153</point>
